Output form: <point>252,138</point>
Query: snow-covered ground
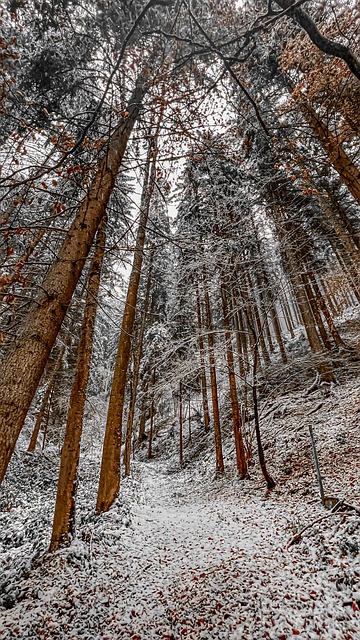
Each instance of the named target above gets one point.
<point>185,554</point>
<point>195,561</point>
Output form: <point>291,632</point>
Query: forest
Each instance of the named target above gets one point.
<point>179,319</point>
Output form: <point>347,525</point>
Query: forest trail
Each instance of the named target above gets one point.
<point>190,561</point>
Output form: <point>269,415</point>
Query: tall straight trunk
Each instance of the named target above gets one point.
<point>273,313</point>
<point>239,343</point>
<point>241,334</point>
<point>278,334</point>
<point>328,297</point>
<point>287,317</point>
<point>64,517</point>
<point>259,326</point>
<point>270,482</point>
<point>138,355</point>
<point>316,312</point>
<point>45,401</point>
<point>322,305</point>
<point>47,418</point>
<point>109,481</point>
<point>293,260</point>
<point>235,411</point>
<point>152,413</point>
<point>214,391</point>
<point>189,416</point>
<point>265,303</point>
<point>21,370</point>
<point>181,460</point>
<point>323,366</point>
<point>202,366</point>
<point>142,422</point>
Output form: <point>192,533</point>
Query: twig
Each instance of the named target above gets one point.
<point>298,536</point>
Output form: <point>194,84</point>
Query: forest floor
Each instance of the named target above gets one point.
<point>186,554</point>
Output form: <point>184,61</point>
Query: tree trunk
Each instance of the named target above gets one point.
<point>270,482</point>
<point>152,412</point>
<point>260,331</point>
<point>287,317</point>
<point>189,417</point>
<point>64,518</point>
<point>180,424</point>
<point>131,414</point>
<point>109,481</point>
<point>35,433</point>
<point>342,163</point>
<point>236,418</point>
<point>142,425</point>
<point>214,392</point>
<point>322,305</point>
<point>202,366</point>
<point>21,370</point>
<point>316,312</point>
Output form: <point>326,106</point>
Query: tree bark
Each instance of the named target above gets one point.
<point>109,482</point>
<point>316,312</point>
<point>270,482</point>
<point>214,392</point>
<point>202,366</point>
<point>181,459</point>
<point>342,163</point>
<point>236,417</point>
<point>39,419</point>
<point>131,414</point>
<point>327,315</point>
<point>152,413</point>
<point>21,370</point>
<point>64,517</point>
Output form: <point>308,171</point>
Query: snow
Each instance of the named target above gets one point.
<point>183,553</point>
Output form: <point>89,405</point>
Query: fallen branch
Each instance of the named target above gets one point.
<point>298,536</point>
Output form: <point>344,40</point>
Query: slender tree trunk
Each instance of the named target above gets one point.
<point>322,304</point>
<point>288,318</point>
<point>260,331</point>
<point>131,414</point>
<point>236,417</point>
<point>239,343</point>
<point>22,368</point>
<point>214,392</point>
<point>202,366</point>
<point>44,404</point>
<point>152,412</point>
<point>270,482</point>
<point>110,465</point>
<point>64,518</point>
<point>180,424</point>
<point>189,417</point>
<point>47,418</point>
<point>142,424</point>
<point>316,312</point>
<point>293,260</point>
<point>273,314</point>
<point>328,296</point>
<point>323,367</point>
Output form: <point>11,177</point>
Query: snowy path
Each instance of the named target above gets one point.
<point>189,565</point>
